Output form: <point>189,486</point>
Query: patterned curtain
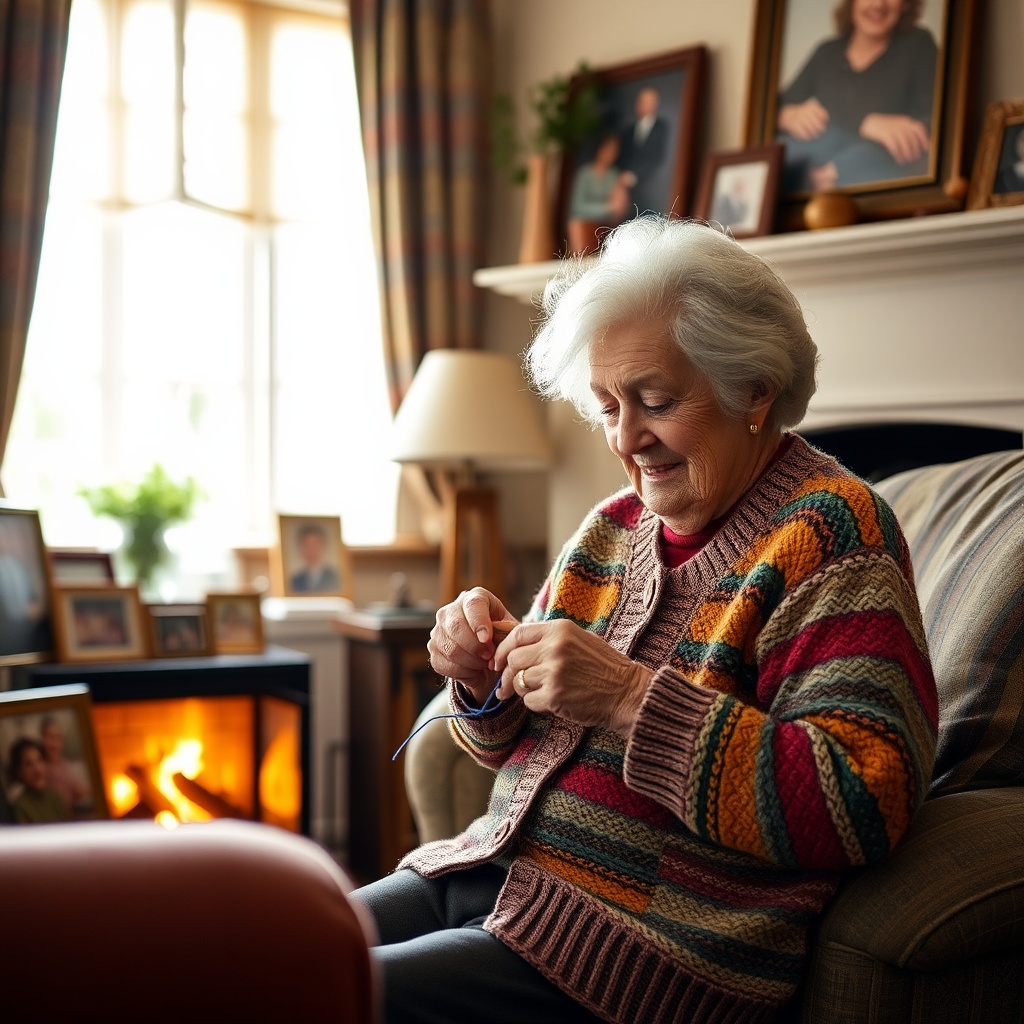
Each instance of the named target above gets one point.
<point>33,43</point>
<point>423,75</point>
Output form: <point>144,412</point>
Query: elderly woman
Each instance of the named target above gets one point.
<point>720,700</point>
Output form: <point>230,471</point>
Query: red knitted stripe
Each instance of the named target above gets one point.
<point>590,782</point>
<point>880,635</point>
<point>811,831</point>
<point>624,510</point>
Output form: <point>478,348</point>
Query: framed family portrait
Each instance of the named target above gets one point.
<point>99,623</point>
<point>642,157</point>
<point>236,623</point>
<point>998,175</point>
<point>869,101</point>
<point>311,559</point>
<point>178,630</point>
<point>68,566</point>
<point>739,190</point>
<point>49,771</point>
<point>26,622</point>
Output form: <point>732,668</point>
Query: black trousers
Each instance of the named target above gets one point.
<point>437,965</point>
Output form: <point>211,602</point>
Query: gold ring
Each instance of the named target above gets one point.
<point>520,680</point>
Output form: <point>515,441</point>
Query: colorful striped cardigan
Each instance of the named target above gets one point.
<point>788,733</point>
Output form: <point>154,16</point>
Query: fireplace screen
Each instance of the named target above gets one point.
<point>197,758</point>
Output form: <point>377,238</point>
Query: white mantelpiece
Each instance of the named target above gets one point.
<point>914,319</point>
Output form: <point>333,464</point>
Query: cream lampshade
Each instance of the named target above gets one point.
<point>467,411</point>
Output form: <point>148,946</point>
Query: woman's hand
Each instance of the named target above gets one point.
<point>806,120</point>
<point>462,642</point>
<point>558,667</point>
<point>904,137</point>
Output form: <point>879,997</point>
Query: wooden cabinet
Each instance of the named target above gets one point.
<point>389,681</point>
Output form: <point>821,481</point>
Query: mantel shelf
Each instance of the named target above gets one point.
<point>950,242</point>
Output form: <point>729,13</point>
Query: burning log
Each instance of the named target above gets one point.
<point>149,794</point>
<point>213,804</point>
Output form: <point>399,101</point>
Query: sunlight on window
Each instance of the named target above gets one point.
<point>241,347</point>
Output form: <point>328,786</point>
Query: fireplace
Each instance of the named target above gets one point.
<point>190,739</point>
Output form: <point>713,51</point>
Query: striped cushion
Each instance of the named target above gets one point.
<point>965,525</point>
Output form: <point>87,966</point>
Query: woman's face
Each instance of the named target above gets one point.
<point>687,461</point>
<point>32,770</point>
<point>876,20</point>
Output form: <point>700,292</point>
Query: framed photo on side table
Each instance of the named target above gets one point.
<point>311,559</point>
<point>739,190</point>
<point>26,624</point>
<point>643,156</point>
<point>236,623</point>
<point>49,770</point>
<point>99,623</point>
<point>888,127</point>
<point>998,177</point>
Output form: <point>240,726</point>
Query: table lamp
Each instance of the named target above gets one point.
<point>464,412</point>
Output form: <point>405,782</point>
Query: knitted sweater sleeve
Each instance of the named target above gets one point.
<point>826,763</point>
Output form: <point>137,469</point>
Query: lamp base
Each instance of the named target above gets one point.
<point>471,550</point>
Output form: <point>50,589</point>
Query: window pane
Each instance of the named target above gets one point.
<point>216,160</point>
<point>147,53</point>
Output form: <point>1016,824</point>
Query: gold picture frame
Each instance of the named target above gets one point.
<point>998,175</point>
<point>938,188</point>
<point>51,727</point>
<point>310,559</point>
<point>236,622</point>
<point>99,622</point>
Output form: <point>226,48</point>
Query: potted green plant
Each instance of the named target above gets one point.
<point>145,510</point>
<point>565,113</point>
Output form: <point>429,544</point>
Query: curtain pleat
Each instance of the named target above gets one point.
<point>423,73</point>
<point>33,45</point>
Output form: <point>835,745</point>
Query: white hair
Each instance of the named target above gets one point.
<point>731,314</point>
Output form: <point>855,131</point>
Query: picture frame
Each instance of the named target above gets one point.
<point>69,566</point>
<point>179,630</point>
<point>797,51</point>
<point>624,168</point>
<point>236,622</point>
<point>26,599</point>
<point>311,559</point>
<point>998,175</point>
<point>739,189</point>
<point>100,623</point>
<point>49,767</point>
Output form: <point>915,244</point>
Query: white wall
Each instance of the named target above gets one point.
<point>537,38</point>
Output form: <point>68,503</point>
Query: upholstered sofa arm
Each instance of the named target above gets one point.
<point>445,787</point>
<point>952,892</point>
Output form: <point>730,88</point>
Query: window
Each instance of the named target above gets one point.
<point>207,297</point>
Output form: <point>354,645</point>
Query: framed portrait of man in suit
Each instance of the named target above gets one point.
<point>642,157</point>
<point>311,559</point>
<point>26,619</point>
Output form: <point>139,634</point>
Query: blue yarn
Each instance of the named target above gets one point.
<point>484,709</point>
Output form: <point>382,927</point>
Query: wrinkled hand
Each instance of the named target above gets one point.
<point>572,673</point>
<point>904,137</point>
<point>807,120</point>
<point>462,643</point>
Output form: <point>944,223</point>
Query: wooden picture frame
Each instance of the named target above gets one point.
<point>311,559</point>
<point>652,173</point>
<point>236,622</point>
<point>69,566</point>
<point>998,175</point>
<point>49,768</point>
<point>179,630</point>
<point>739,189</point>
<point>100,623</point>
<point>796,48</point>
<point>26,599</point>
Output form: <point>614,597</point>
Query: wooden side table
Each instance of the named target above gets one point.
<point>389,682</point>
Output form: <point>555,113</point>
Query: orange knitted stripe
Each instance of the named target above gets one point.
<point>626,896</point>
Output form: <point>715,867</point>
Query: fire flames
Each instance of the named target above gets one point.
<point>193,759</point>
